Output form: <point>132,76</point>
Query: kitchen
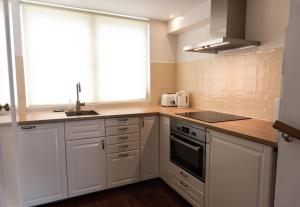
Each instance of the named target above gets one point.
<point>178,101</point>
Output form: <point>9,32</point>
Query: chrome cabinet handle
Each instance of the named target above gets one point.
<point>28,127</point>
<point>142,122</point>
<point>103,146</point>
<point>123,146</point>
<point>124,137</point>
<point>123,128</point>
<point>123,119</point>
<point>123,155</point>
<point>184,184</point>
<point>184,174</point>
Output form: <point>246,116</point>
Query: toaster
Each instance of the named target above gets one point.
<point>168,99</point>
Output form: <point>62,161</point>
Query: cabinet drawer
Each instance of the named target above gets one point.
<point>122,147</point>
<point>123,138</point>
<point>122,129</point>
<point>121,121</point>
<point>84,129</point>
<point>123,168</point>
<point>186,177</point>
<point>188,191</point>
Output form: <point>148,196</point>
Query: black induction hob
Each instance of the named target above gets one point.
<point>212,116</point>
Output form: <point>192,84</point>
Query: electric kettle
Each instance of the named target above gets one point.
<point>182,99</point>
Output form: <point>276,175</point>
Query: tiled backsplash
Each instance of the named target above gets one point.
<point>243,83</point>
<point>163,80</point>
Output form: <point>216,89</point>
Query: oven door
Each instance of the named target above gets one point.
<point>188,154</point>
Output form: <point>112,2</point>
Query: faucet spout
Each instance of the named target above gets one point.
<point>78,104</point>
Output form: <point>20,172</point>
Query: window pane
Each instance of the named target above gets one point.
<point>108,55</point>
<point>122,59</point>
<point>4,85</point>
<point>58,54</point>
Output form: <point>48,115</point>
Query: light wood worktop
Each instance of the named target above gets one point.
<point>251,129</point>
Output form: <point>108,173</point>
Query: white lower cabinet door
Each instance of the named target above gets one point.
<point>164,147</point>
<point>43,163</point>
<point>149,147</point>
<point>123,168</point>
<point>240,172</point>
<point>86,166</point>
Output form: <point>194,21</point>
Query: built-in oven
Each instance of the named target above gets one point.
<point>187,147</point>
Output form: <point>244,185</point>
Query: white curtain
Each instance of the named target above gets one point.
<point>108,55</point>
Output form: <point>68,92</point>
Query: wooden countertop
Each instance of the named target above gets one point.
<point>251,129</point>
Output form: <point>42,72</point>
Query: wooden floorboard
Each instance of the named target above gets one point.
<point>153,193</point>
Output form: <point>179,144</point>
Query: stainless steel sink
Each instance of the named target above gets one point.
<point>81,113</point>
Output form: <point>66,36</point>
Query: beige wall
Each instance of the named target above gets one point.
<point>235,85</point>
<point>241,83</point>
<point>162,65</point>
<point>162,58</point>
<point>266,21</point>
<point>162,46</point>
<point>163,80</point>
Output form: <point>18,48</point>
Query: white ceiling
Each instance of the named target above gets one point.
<point>152,9</point>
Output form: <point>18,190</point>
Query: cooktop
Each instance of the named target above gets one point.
<point>212,116</point>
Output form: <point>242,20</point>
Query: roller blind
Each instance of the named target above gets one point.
<point>4,85</point>
<point>108,55</point>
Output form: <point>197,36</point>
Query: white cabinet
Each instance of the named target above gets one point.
<point>123,168</point>
<point>86,166</point>
<point>43,163</point>
<point>84,129</point>
<point>239,172</point>
<point>122,121</point>
<point>164,147</point>
<point>123,151</point>
<point>187,186</point>
<point>116,130</point>
<point>149,147</point>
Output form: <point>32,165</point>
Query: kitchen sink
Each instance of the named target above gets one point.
<point>81,113</point>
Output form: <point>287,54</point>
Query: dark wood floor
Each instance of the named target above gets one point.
<point>154,193</point>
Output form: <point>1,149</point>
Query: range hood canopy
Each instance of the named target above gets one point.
<point>228,20</point>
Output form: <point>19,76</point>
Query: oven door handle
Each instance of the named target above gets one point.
<point>185,144</point>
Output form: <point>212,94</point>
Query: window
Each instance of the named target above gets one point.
<point>4,84</point>
<point>108,55</point>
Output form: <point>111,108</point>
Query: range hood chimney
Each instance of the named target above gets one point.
<point>227,27</point>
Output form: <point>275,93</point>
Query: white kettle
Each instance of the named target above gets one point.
<point>182,99</point>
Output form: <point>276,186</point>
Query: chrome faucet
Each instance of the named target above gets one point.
<point>78,104</point>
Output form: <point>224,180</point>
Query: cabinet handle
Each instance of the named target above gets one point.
<point>123,146</point>
<point>142,122</point>
<point>123,128</point>
<point>124,137</point>
<point>102,143</point>
<point>123,119</point>
<point>123,155</point>
<point>28,127</point>
<point>184,174</point>
<point>184,184</point>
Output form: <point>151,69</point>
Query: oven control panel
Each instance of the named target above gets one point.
<point>194,131</point>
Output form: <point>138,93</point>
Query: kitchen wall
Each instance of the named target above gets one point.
<point>163,59</point>
<point>243,82</point>
<point>162,62</point>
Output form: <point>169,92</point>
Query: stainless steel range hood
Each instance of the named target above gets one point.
<point>227,26</point>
